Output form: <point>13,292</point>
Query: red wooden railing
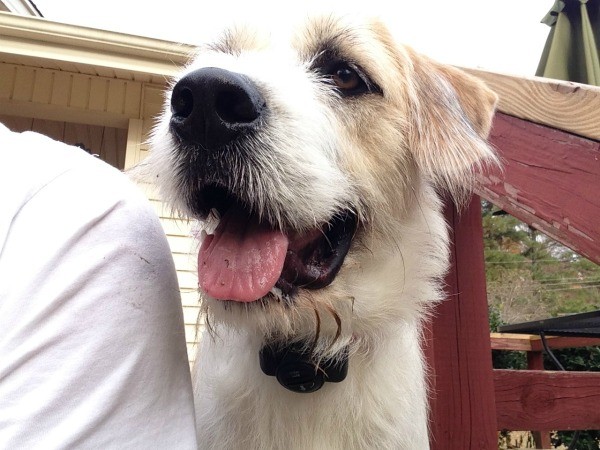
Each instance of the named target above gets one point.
<point>543,409</point>
<point>551,180</point>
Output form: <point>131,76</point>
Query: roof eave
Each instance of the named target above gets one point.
<point>40,38</point>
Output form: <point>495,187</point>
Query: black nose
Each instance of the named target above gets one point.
<point>212,107</point>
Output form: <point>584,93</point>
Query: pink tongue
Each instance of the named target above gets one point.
<point>242,260</point>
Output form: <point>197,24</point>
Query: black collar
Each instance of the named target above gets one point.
<point>296,369</point>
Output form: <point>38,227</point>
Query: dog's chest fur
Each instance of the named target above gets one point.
<point>379,406</point>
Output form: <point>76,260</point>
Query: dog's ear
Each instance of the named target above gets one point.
<point>452,117</point>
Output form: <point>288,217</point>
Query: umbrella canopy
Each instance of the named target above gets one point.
<point>573,45</point>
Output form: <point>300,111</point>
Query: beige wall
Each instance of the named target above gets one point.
<point>74,97</point>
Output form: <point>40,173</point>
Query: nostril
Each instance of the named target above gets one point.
<point>182,103</point>
<point>235,106</point>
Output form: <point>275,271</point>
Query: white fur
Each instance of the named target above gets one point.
<point>383,402</point>
<point>384,157</point>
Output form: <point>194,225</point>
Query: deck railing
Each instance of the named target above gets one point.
<point>548,136</point>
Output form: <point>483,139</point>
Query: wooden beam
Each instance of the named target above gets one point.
<point>529,342</point>
<point>458,348</point>
<point>511,341</point>
<point>550,180</point>
<point>568,106</point>
<point>535,400</point>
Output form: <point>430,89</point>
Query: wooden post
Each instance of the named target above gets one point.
<point>535,361</point>
<point>463,411</point>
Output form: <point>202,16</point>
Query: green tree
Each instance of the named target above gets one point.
<point>530,276</point>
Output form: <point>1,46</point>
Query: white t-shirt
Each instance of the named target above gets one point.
<point>92,347</point>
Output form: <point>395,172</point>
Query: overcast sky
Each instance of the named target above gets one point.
<point>497,35</point>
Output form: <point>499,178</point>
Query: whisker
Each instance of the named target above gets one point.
<point>317,326</point>
<point>326,238</point>
<point>197,330</point>
<point>211,330</point>
<point>338,321</point>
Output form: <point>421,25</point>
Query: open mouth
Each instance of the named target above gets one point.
<point>246,258</point>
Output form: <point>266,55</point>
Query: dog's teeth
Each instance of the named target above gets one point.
<point>203,235</point>
<point>277,293</point>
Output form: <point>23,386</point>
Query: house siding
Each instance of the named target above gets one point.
<point>79,98</point>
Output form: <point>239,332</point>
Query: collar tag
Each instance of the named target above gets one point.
<point>295,370</point>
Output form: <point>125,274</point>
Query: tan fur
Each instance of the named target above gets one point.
<point>390,155</point>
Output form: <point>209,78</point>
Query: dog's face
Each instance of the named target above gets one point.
<point>308,159</point>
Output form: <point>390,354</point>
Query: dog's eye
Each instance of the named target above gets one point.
<point>348,79</point>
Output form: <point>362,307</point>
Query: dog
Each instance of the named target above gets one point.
<point>317,164</point>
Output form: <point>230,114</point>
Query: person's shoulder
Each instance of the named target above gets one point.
<point>31,163</point>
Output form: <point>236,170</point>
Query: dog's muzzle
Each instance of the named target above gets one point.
<point>217,117</point>
<point>213,107</point>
